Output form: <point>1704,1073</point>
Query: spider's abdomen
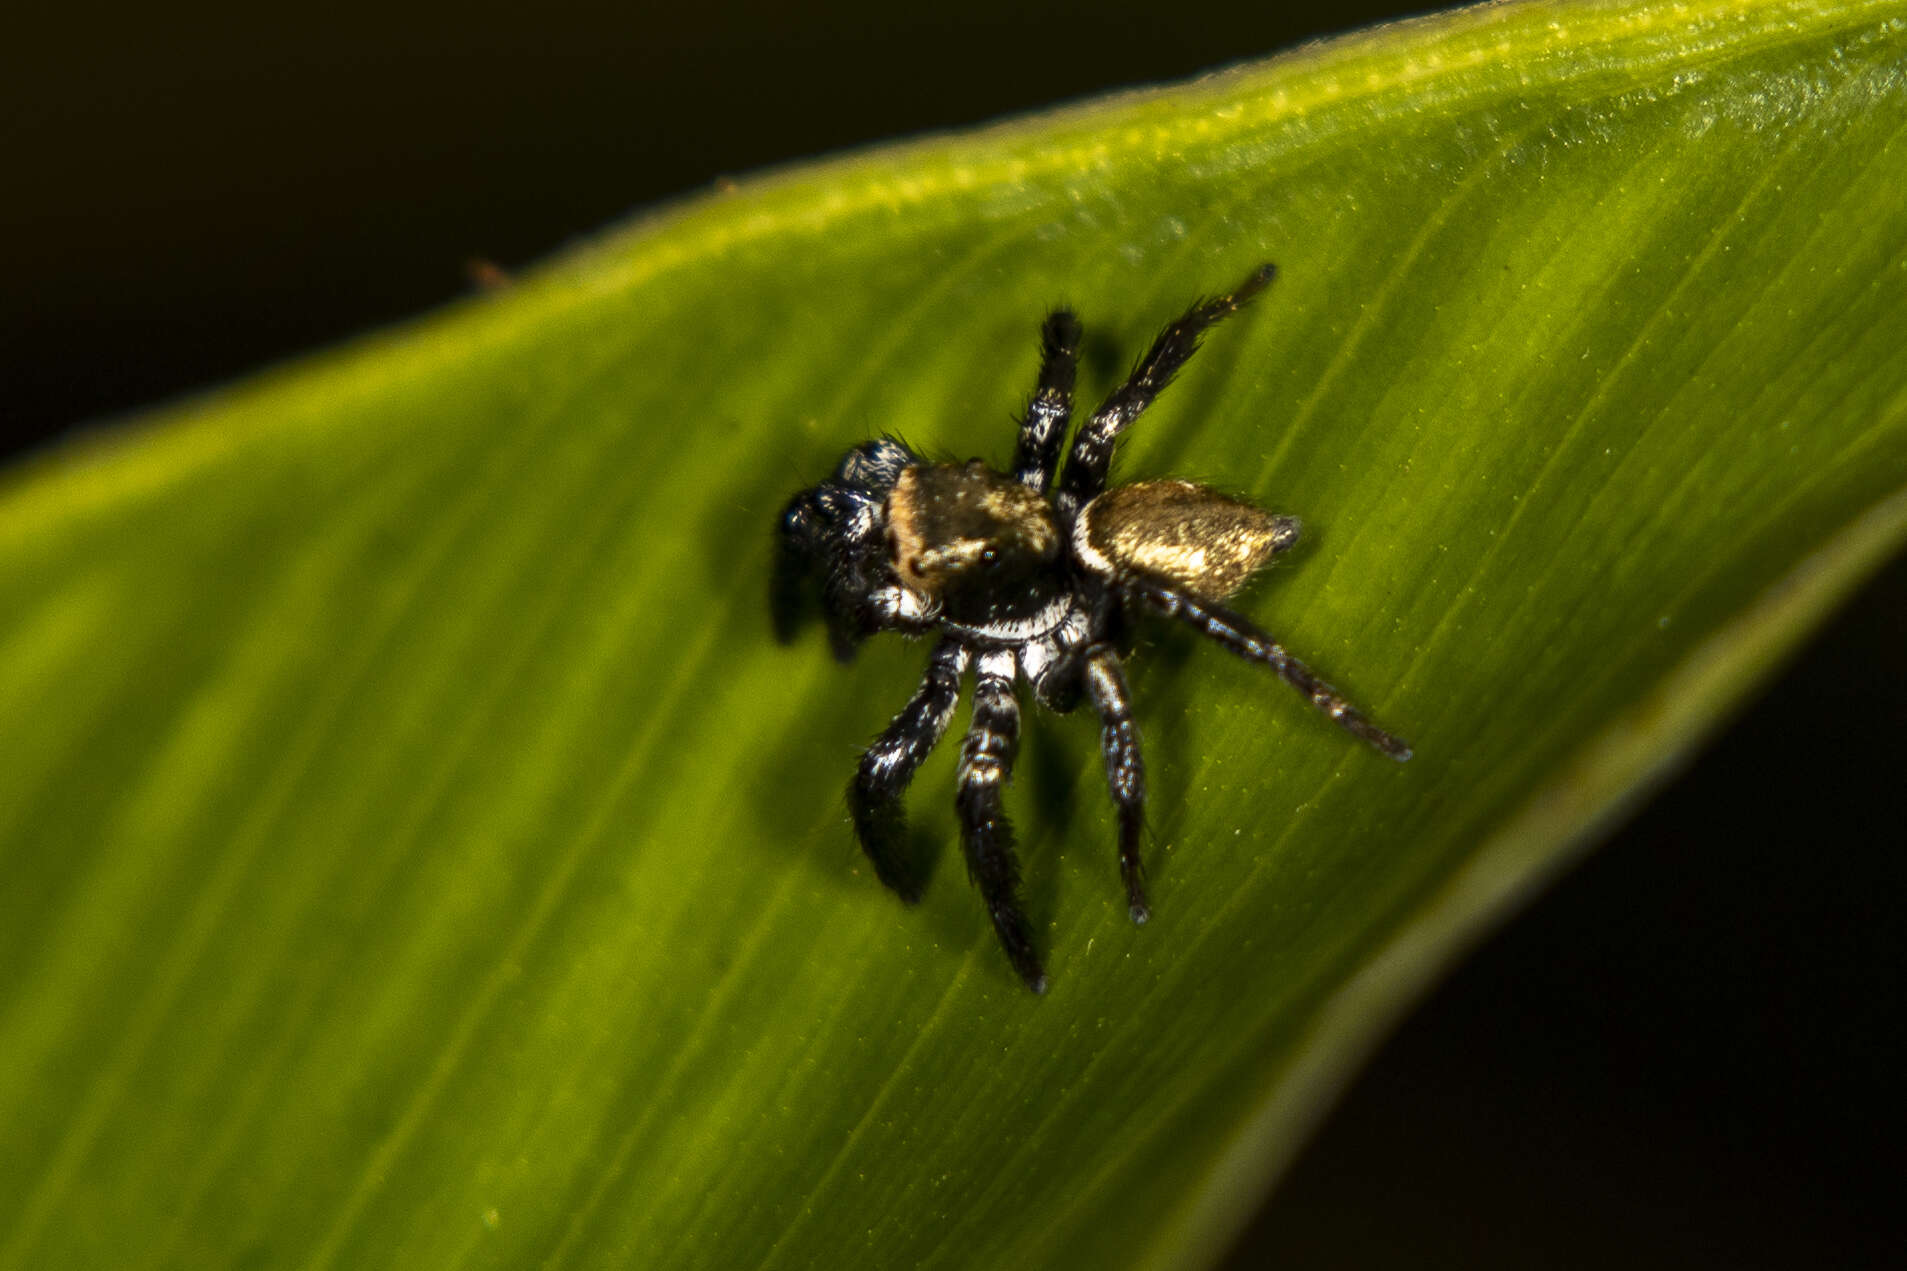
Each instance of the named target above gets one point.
<point>1192,536</point>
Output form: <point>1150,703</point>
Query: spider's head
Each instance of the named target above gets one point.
<point>981,544</point>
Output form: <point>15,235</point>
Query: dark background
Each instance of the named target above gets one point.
<point>1686,1054</point>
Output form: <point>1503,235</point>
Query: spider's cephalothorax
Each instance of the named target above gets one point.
<point>1030,574</point>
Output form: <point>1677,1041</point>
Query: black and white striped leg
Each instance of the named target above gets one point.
<point>1044,427</point>
<point>986,762</point>
<point>809,524</point>
<point>832,536</point>
<point>1125,770</point>
<point>1243,638</point>
<point>874,797</point>
<point>1091,456</point>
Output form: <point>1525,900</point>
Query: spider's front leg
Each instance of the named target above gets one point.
<point>800,541</point>
<point>986,761</point>
<point>1052,406</point>
<point>874,797</point>
<point>830,540</point>
<point>1091,455</point>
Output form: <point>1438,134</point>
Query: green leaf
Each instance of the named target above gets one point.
<point>418,853</point>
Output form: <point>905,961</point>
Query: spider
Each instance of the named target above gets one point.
<point>1033,573</point>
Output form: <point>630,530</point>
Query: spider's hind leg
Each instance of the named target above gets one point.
<point>1241,636</point>
<point>986,761</point>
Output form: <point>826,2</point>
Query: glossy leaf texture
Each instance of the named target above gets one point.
<point>418,852</point>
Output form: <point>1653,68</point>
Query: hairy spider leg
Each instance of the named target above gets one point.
<point>1091,456</point>
<point>794,569</point>
<point>1044,427</point>
<point>986,761</point>
<point>812,525</point>
<point>1125,770</point>
<point>1240,636</point>
<point>874,796</point>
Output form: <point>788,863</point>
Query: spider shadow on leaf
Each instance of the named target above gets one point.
<point>824,731</point>
<point>1054,759</point>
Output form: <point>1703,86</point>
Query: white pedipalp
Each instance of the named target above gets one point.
<point>902,605</point>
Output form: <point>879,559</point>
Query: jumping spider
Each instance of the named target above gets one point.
<point>1024,577</point>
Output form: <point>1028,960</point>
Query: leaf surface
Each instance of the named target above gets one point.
<point>419,854</point>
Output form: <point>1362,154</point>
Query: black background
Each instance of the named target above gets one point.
<point>1686,1054</point>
